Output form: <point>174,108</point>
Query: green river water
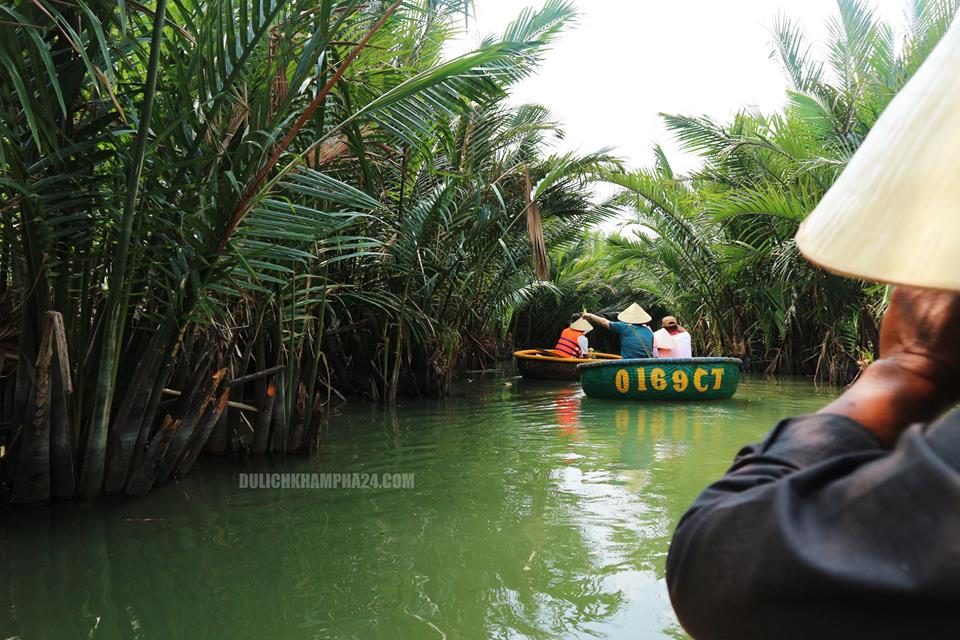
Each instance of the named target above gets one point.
<point>535,513</point>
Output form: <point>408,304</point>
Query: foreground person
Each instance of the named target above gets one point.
<point>573,341</point>
<point>845,523</point>
<point>636,338</point>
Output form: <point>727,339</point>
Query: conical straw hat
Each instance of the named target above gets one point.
<point>634,314</point>
<point>663,340</point>
<point>582,325</point>
<point>894,214</point>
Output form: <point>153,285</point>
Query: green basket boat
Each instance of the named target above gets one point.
<point>661,378</point>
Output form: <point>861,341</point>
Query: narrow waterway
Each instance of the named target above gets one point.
<point>534,513</point>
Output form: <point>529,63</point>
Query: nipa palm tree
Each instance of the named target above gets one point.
<point>218,214</point>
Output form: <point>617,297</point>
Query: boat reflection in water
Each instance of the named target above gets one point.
<point>567,403</point>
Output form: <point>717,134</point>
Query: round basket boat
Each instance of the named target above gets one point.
<point>661,378</point>
<point>545,365</point>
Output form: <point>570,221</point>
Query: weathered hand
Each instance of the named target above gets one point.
<point>921,334</point>
<point>916,376</point>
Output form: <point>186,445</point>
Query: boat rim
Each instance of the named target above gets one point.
<point>652,361</point>
<point>535,354</point>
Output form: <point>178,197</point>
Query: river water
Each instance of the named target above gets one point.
<point>534,513</point>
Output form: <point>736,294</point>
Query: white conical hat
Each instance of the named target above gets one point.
<point>663,340</point>
<point>582,325</point>
<point>894,214</point>
<point>634,314</point>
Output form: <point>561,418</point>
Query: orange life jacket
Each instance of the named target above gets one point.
<point>567,345</point>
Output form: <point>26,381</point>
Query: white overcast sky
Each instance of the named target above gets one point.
<point>625,61</point>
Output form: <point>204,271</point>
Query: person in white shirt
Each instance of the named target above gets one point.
<point>682,347</point>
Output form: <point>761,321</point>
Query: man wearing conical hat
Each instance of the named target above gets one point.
<point>636,338</point>
<point>573,340</point>
<point>846,523</point>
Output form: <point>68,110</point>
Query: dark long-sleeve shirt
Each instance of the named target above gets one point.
<point>819,532</point>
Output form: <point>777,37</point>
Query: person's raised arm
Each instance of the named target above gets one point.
<point>595,319</point>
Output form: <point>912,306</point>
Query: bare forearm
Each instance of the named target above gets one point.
<point>595,319</point>
<point>888,398</point>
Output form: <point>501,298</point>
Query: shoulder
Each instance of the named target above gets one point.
<point>616,325</point>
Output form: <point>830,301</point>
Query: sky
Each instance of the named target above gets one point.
<point>607,78</point>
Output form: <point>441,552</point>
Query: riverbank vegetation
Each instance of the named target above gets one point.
<point>260,206</point>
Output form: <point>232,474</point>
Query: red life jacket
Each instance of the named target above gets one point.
<point>567,345</point>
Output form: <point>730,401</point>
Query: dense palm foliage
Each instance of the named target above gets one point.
<point>719,250</point>
<point>260,204</point>
<point>581,278</point>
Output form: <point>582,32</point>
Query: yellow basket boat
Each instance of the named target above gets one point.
<point>545,364</point>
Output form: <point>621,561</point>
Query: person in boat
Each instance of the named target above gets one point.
<point>843,523</point>
<point>680,340</point>
<point>636,337</point>
<point>573,341</point>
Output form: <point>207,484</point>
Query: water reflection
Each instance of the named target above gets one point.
<point>567,404</point>
<point>536,513</point>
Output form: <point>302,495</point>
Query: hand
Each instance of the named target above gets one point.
<point>916,376</point>
<point>921,334</point>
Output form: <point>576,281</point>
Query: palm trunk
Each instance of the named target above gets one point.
<point>32,483</point>
<point>93,470</point>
